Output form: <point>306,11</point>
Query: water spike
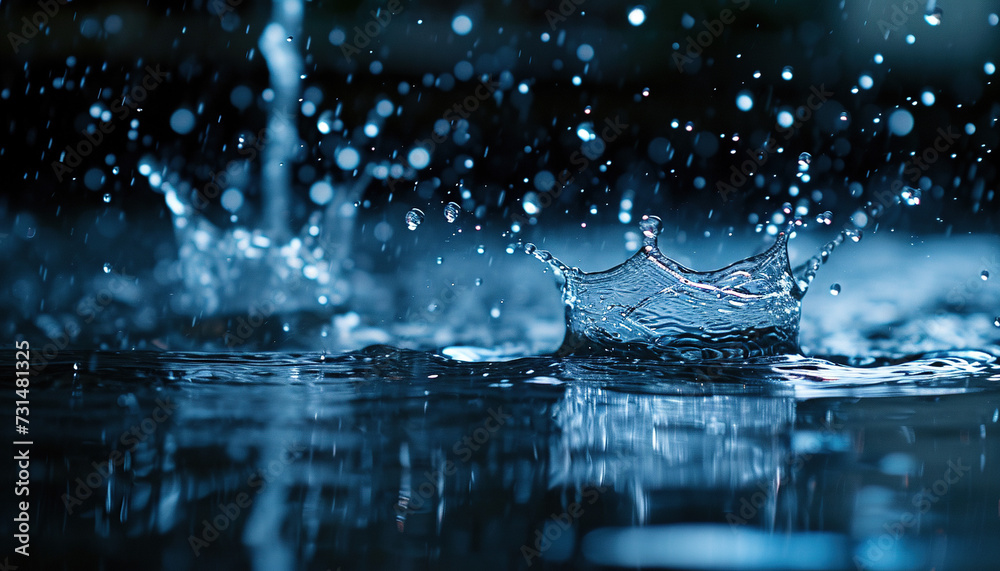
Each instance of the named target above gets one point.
<point>806,272</point>
<point>546,257</point>
<point>650,227</point>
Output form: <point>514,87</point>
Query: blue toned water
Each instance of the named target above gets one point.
<point>391,459</point>
<point>271,263</point>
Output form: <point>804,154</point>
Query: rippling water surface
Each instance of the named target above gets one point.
<point>396,459</point>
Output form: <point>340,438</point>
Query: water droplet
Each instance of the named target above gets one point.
<point>451,212</point>
<point>933,17</point>
<point>854,234</point>
<point>744,100</point>
<point>529,248</point>
<point>650,226</point>
<point>996,322</point>
<point>413,218</point>
<point>480,249</point>
<point>439,260</point>
<point>107,268</point>
<point>637,16</point>
<point>479,282</point>
<point>835,289</point>
<point>910,195</point>
<point>786,73</point>
<point>804,160</point>
<point>531,203</point>
<point>825,218</point>
<point>107,197</point>
<point>289,39</point>
<point>985,275</point>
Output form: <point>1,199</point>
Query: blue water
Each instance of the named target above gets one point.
<point>390,459</point>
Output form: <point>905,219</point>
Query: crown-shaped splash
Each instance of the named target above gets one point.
<point>651,305</point>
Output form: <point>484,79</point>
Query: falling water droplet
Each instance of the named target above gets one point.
<point>439,260</point>
<point>804,160</point>
<point>933,16</point>
<point>479,282</point>
<point>910,195</point>
<point>835,289</point>
<point>107,197</point>
<point>413,218</point>
<point>107,268</point>
<point>996,322</point>
<point>480,249</point>
<point>825,218</point>
<point>985,275</point>
<point>451,212</point>
<point>854,234</point>
<point>529,248</point>
<point>289,38</point>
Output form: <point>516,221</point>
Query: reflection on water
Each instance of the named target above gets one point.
<point>354,462</point>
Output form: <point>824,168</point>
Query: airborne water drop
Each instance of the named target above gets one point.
<point>451,212</point>
<point>413,218</point>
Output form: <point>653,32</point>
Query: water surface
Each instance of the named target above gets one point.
<point>389,459</point>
